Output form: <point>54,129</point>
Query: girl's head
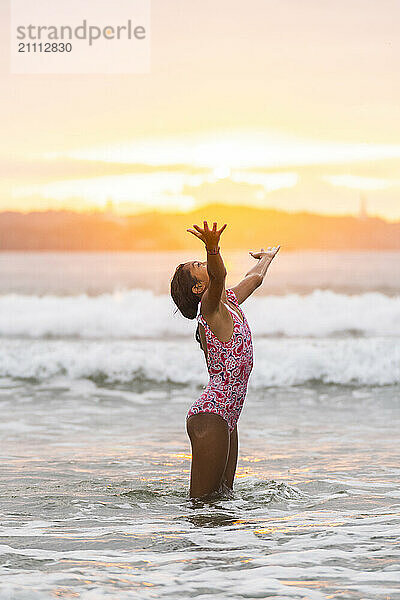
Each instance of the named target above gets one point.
<point>188,284</point>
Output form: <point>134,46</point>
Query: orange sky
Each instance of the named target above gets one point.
<point>294,104</point>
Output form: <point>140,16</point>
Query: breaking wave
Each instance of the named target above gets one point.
<point>278,362</point>
<point>137,314</point>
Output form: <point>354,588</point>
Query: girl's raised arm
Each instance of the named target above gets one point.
<point>254,278</point>
<point>215,266</point>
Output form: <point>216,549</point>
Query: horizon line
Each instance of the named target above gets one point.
<point>214,205</point>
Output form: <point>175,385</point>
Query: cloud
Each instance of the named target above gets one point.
<point>59,169</point>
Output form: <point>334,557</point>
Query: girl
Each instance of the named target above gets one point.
<point>198,290</point>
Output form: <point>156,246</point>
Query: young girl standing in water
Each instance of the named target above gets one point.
<point>198,290</point>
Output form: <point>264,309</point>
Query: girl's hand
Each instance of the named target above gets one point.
<point>210,237</point>
<point>271,252</point>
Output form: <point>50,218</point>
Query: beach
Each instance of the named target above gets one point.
<point>97,373</point>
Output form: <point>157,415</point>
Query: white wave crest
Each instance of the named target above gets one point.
<point>278,362</point>
<point>142,314</point>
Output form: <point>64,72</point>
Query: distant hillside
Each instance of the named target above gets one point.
<point>248,228</point>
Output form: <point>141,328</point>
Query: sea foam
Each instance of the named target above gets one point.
<point>278,362</point>
<point>139,314</point>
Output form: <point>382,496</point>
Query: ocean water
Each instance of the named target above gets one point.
<point>96,376</point>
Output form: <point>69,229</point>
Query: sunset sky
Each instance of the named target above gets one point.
<point>286,103</point>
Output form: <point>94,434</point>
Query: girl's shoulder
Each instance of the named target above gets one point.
<point>231,297</point>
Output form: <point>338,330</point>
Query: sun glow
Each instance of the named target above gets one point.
<point>128,193</point>
<point>240,149</point>
<point>243,168</point>
<point>221,172</point>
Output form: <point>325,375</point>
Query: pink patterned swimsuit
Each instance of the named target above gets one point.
<point>229,366</point>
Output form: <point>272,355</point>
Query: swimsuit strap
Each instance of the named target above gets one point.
<point>232,297</point>
<point>200,317</point>
<point>231,310</point>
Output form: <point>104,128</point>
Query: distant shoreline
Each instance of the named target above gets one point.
<point>248,227</point>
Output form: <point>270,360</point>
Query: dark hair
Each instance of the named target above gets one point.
<point>181,291</point>
<point>183,296</point>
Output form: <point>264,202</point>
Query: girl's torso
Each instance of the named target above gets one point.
<point>202,331</point>
<point>236,353</point>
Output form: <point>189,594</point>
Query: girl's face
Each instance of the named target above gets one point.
<point>198,270</point>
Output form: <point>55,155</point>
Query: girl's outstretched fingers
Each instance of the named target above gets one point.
<point>271,252</point>
<point>207,235</point>
<point>196,233</point>
<point>222,229</point>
